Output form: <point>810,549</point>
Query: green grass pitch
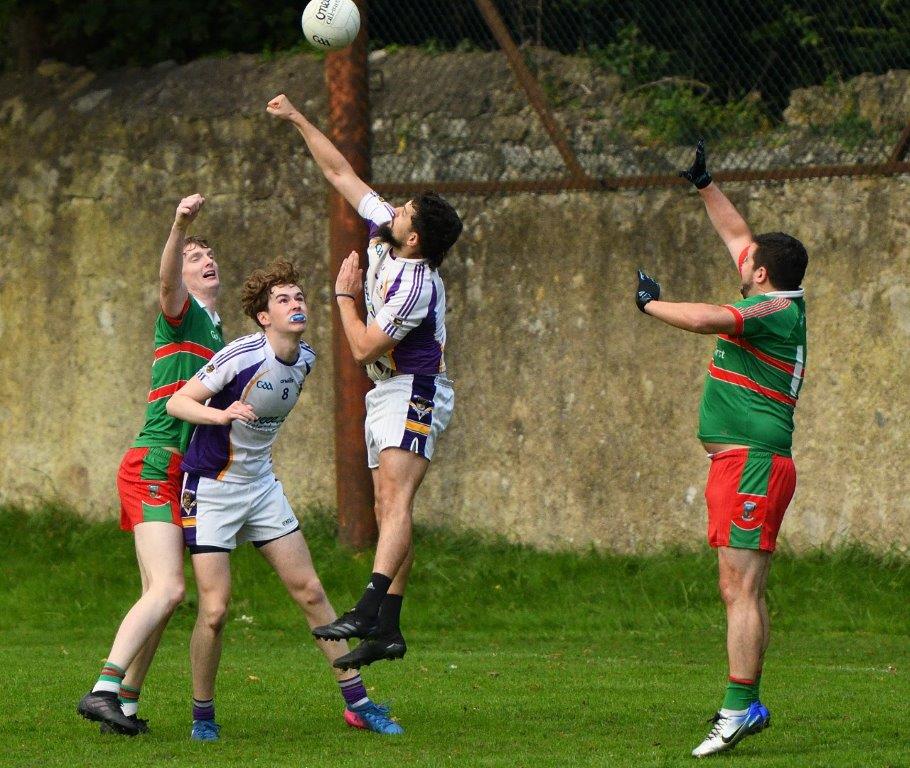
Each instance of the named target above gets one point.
<point>516,658</point>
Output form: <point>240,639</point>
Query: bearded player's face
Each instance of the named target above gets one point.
<point>747,275</point>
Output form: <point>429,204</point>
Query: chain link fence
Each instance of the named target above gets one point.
<point>630,86</point>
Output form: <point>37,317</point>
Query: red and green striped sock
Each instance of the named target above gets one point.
<point>740,694</point>
<point>129,700</point>
<point>110,679</point>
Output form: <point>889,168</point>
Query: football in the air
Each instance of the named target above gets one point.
<point>330,24</point>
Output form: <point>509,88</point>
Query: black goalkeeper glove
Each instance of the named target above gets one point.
<point>697,173</point>
<point>648,290</point>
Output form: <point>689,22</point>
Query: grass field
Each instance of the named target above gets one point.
<point>516,658</point>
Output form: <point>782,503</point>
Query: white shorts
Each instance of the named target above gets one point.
<point>407,411</point>
<point>217,515</point>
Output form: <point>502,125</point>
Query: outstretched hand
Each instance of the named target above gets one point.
<point>648,290</point>
<point>281,107</point>
<point>697,173</point>
<point>187,210</point>
<point>350,276</point>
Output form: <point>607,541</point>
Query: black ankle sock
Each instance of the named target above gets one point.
<point>390,615</point>
<point>373,595</point>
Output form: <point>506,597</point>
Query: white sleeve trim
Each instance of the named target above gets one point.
<point>373,208</point>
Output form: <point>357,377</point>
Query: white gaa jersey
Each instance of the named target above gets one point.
<point>248,370</point>
<point>406,299</point>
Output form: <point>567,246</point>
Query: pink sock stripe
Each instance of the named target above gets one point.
<point>112,670</point>
<point>129,694</point>
<point>740,680</point>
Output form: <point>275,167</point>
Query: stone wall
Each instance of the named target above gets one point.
<point>575,414</point>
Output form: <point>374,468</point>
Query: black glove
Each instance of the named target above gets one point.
<point>648,290</point>
<point>697,173</point>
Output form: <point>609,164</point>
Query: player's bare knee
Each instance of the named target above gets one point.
<point>383,501</point>
<point>312,594</point>
<point>393,511</point>
<point>730,586</point>
<point>173,593</point>
<point>213,616</point>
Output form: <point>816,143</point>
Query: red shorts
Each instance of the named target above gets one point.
<point>149,485</point>
<point>748,492</point>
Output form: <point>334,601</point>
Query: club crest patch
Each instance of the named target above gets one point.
<point>188,500</point>
<point>748,509</point>
<point>421,406</point>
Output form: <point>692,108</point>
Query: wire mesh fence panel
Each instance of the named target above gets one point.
<point>633,84</point>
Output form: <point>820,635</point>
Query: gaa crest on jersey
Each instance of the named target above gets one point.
<point>154,490</point>
<point>210,368</point>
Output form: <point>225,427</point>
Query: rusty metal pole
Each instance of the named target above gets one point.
<point>349,129</point>
<point>903,144</point>
<point>531,87</point>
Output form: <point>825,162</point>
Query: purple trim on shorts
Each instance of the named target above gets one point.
<point>420,409</point>
<point>188,507</point>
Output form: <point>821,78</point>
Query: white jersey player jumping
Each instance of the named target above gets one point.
<point>402,344</point>
<point>230,494</point>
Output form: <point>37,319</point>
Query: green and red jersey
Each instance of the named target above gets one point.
<point>183,344</point>
<point>756,374</point>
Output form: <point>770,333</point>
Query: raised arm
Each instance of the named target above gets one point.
<point>727,221</point>
<point>172,293</point>
<point>335,168</point>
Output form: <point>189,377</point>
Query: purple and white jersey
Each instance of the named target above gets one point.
<point>248,370</point>
<point>406,299</point>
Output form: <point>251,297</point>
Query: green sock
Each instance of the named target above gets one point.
<point>110,679</point>
<point>740,693</point>
<point>129,700</point>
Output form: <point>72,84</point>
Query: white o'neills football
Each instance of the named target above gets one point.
<point>330,24</point>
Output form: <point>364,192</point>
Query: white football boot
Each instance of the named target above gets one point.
<point>727,731</point>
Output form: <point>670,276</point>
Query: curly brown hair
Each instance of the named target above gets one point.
<point>193,241</point>
<point>255,294</point>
